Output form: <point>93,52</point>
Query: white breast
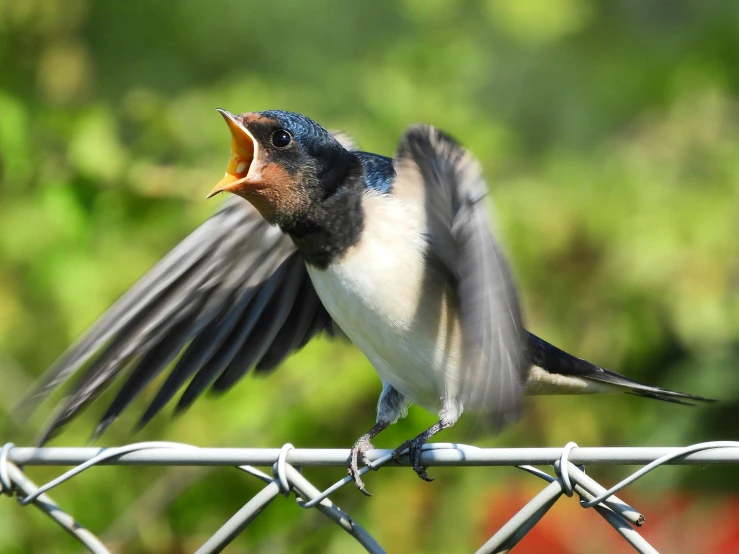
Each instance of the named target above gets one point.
<point>374,293</point>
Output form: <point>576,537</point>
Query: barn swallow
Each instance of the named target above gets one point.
<point>395,254</point>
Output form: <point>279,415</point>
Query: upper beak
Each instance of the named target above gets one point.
<point>243,151</point>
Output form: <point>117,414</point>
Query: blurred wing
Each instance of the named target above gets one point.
<point>462,246</point>
<point>344,139</point>
<point>234,294</point>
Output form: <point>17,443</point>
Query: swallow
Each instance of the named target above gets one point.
<point>394,254</point>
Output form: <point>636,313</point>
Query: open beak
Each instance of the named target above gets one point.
<point>243,151</point>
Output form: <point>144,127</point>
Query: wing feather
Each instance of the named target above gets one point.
<point>462,246</point>
<point>233,295</point>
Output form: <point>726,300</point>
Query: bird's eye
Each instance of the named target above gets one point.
<point>281,138</point>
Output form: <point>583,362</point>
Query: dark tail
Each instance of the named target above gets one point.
<point>565,374</point>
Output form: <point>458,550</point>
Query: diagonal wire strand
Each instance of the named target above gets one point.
<point>287,478</point>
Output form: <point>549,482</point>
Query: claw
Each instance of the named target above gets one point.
<point>354,472</point>
<point>359,449</point>
<point>421,472</point>
<point>398,452</point>
<point>416,459</point>
<point>415,449</point>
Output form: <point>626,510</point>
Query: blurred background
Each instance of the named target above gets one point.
<point>609,132</point>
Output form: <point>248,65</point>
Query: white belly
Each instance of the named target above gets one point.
<point>374,294</point>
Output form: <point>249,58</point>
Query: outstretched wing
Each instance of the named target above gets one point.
<point>462,246</point>
<point>235,295</point>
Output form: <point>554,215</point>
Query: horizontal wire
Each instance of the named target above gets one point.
<point>440,454</point>
<point>287,458</point>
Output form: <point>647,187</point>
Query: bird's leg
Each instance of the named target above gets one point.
<point>390,407</point>
<point>362,446</point>
<point>415,447</point>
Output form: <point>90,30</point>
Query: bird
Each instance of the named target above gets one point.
<point>395,255</point>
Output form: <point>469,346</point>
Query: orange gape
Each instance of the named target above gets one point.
<point>243,150</point>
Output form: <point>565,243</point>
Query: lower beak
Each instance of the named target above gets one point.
<point>243,151</point>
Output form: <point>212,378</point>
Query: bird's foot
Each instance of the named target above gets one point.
<point>415,449</point>
<point>360,448</point>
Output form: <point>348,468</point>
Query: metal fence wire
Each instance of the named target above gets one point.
<point>568,463</point>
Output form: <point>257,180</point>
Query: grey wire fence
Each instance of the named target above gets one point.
<point>568,467</point>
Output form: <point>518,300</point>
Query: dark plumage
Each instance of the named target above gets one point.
<point>378,171</point>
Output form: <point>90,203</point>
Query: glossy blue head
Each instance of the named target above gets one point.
<point>282,162</point>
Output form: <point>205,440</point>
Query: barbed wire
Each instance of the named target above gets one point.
<point>568,464</point>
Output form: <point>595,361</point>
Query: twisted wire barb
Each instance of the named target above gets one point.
<point>656,463</point>
<point>6,485</point>
<point>286,479</point>
<point>281,470</point>
<point>19,483</point>
<point>563,470</point>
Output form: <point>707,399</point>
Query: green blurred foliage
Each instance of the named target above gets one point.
<point>609,132</point>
